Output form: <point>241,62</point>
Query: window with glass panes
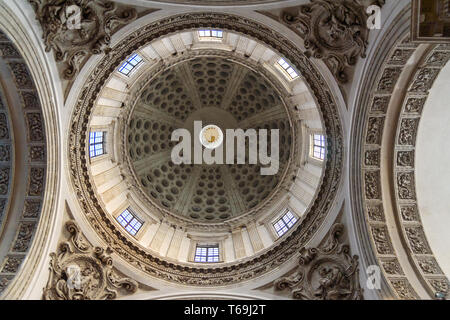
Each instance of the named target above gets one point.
<point>96,143</point>
<point>210,33</point>
<point>131,63</point>
<point>130,222</point>
<point>285,223</point>
<point>318,150</point>
<point>288,68</point>
<point>207,253</point>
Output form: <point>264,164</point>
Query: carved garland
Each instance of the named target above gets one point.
<point>36,159</point>
<point>137,255</point>
<point>403,170</point>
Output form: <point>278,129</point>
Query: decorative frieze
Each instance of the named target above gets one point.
<point>409,213</point>
<point>37,153</point>
<point>7,50</point>
<point>4,180</point>
<point>32,209</point>
<point>405,158</point>
<point>375,213</point>
<point>30,100</point>
<point>380,104</point>
<point>12,264</point>
<point>21,76</point>
<point>415,105</point>
<point>372,158</point>
<point>5,153</point>
<point>429,266</point>
<point>23,238</point>
<point>424,80</point>
<point>372,185</point>
<point>392,267</point>
<point>389,79</point>
<point>34,130</point>
<point>438,58</point>
<point>382,240</point>
<point>5,281</point>
<point>406,185</point>
<point>403,289</point>
<point>440,285</point>
<point>417,240</point>
<point>4,131</point>
<point>375,130</point>
<point>37,177</point>
<point>35,126</point>
<point>408,131</point>
<point>400,56</point>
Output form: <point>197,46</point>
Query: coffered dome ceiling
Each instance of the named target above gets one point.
<point>218,91</point>
<point>232,83</point>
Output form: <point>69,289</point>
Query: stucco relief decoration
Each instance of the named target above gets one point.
<point>80,272</point>
<point>76,29</point>
<point>325,273</point>
<point>333,30</point>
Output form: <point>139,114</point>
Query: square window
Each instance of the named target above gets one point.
<point>131,63</point>
<point>207,253</point>
<point>130,222</point>
<point>286,222</point>
<point>291,73</point>
<point>210,34</point>
<point>318,149</point>
<point>96,143</point>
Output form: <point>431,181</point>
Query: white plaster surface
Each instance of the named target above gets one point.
<point>433,169</point>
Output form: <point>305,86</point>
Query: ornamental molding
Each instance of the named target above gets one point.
<point>404,170</point>
<point>79,271</point>
<point>73,41</point>
<point>334,31</point>
<point>403,176</point>
<point>327,272</point>
<point>35,157</point>
<point>138,256</point>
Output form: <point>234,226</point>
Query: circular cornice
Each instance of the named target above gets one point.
<point>223,274</point>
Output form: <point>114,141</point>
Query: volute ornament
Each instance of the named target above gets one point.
<point>325,273</point>
<point>80,272</point>
<point>76,29</point>
<point>333,30</point>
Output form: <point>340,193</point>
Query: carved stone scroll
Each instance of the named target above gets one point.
<point>80,272</point>
<point>77,29</point>
<point>325,273</point>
